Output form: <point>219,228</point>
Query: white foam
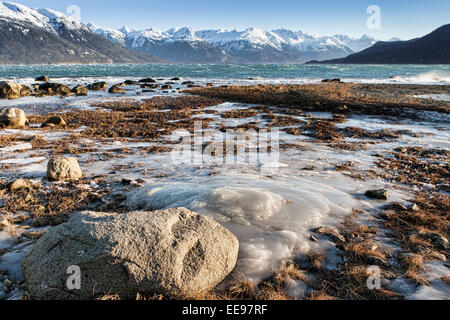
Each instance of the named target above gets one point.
<point>425,77</point>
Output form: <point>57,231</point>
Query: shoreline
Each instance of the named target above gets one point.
<point>337,141</point>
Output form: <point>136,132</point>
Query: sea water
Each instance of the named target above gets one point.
<point>298,73</point>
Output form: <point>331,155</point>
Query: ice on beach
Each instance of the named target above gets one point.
<point>271,218</point>
<point>17,147</point>
<point>440,97</point>
<point>433,272</point>
<point>5,240</point>
<point>23,161</point>
<point>272,207</point>
<point>12,261</point>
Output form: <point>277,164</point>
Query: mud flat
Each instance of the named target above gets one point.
<point>360,185</point>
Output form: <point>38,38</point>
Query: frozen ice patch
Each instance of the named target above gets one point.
<point>246,204</point>
<point>271,218</point>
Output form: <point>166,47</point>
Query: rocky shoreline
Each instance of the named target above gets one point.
<point>99,159</point>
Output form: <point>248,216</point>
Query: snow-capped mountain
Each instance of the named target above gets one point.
<point>44,36</point>
<point>223,46</point>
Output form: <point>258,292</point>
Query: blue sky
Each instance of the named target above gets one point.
<point>399,18</point>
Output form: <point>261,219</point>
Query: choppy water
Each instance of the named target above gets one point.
<point>439,74</point>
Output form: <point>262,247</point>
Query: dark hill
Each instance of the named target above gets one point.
<point>433,48</point>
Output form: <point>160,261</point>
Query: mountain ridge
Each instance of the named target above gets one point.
<point>251,45</point>
<point>433,48</point>
<point>44,36</point>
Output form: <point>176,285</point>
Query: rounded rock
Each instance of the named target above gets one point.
<point>19,184</point>
<point>57,121</point>
<point>13,118</point>
<point>175,252</point>
<point>64,169</point>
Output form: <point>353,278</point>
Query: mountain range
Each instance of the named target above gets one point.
<point>252,45</point>
<point>43,36</point>
<point>434,48</point>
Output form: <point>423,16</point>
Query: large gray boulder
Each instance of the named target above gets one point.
<point>174,252</point>
<point>13,118</point>
<point>64,169</point>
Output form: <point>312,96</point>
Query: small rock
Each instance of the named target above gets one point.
<point>42,79</point>
<point>313,238</point>
<point>56,121</point>
<point>64,169</point>
<point>336,80</point>
<point>98,86</point>
<point>333,235</point>
<point>175,79</point>
<point>438,240</point>
<point>55,89</point>
<point>380,194</point>
<point>4,224</point>
<point>116,89</point>
<point>131,82</point>
<point>7,286</point>
<point>398,206</point>
<point>414,207</point>
<point>47,125</point>
<point>13,118</point>
<point>343,109</point>
<point>80,91</point>
<point>147,80</point>
<point>7,283</point>
<point>127,182</point>
<point>19,184</point>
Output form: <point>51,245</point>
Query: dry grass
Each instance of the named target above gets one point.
<point>418,232</point>
<point>359,98</point>
<point>316,259</point>
<point>47,204</point>
<point>410,169</point>
<point>135,119</point>
<point>240,114</point>
<point>10,140</point>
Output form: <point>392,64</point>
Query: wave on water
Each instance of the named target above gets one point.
<point>250,74</point>
<point>425,77</point>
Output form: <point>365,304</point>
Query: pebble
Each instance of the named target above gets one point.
<point>380,194</point>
